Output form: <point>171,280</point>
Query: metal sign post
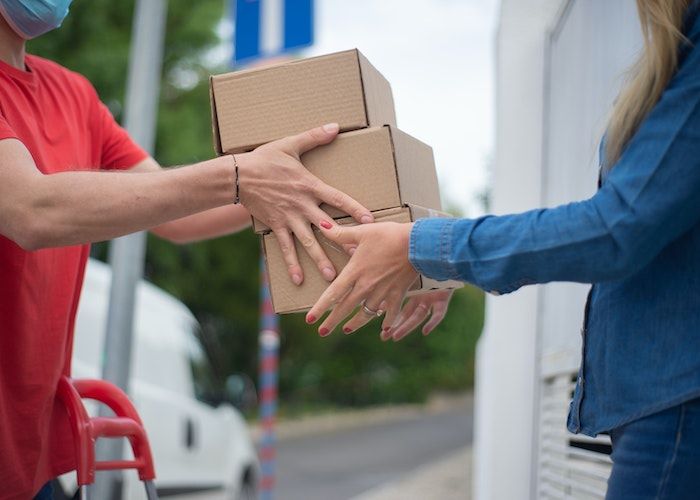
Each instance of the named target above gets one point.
<point>127,253</point>
<point>267,29</point>
<point>271,28</point>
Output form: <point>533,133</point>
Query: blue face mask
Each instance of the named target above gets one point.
<point>31,18</point>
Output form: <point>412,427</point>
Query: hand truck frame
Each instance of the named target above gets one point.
<point>86,430</point>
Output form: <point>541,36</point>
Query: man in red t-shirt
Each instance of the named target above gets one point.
<point>63,185</point>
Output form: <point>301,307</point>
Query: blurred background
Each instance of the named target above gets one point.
<point>513,96</point>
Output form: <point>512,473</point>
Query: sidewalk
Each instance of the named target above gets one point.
<point>447,479</point>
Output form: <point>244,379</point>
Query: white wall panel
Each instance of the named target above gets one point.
<point>560,64</point>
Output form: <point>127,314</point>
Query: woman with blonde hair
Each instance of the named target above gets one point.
<point>637,241</point>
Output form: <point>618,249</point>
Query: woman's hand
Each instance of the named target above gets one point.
<point>276,189</point>
<point>377,276</point>
<point>416,311</point>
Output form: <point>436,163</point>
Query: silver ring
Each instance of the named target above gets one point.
<point>369,311</point>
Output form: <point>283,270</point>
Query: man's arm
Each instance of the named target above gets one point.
<point>201,226</point>
<point>68,208</point>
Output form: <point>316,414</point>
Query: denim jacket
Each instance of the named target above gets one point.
<point>637,240</point>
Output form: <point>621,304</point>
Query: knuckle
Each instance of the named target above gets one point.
<point>286,249</point>
<point>361,287</point>
<point>336,198</point>
<point>338,231</point>
<point>314,184</point>
<point>300,185</point>
<point>307,241</point>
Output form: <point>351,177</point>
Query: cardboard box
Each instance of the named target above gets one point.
<point>289,298</point>
<point>256,106</point>
<point>380,167</point>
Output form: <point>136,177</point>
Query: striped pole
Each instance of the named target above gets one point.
<point>269,349</point>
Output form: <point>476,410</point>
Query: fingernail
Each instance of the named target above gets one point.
<point>328,273</point>
<point>347,329</point>
<point>296,278</point>
<point>325,224</point>
<point>366,219</point>
<point>351,250</point>
<point>331,127</point>
<point>384,336</point>
<point>323,331</point>
<point>310,318</point>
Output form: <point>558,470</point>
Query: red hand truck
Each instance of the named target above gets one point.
<point>86,430</point>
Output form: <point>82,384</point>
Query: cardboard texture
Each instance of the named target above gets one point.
<point>380,167</point>
<point>289,298</point>
<point>256,106</point>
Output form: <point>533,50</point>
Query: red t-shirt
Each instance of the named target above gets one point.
<point>58,116</point>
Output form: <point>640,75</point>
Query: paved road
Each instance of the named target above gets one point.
<point>345,464</point>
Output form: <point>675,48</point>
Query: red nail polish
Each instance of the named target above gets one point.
<point>310,318</point>
<point>347,329</point>
<point>323,331</point>
<point>326,225</point>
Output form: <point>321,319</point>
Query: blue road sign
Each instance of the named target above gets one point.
<point>268,28</point>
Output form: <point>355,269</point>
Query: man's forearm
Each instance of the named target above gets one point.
<point>201,226</point>
<point>205,225</point>
<point>78,207</point>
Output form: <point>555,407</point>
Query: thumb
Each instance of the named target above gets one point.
<point>343,235</point>
<point>301,143</point>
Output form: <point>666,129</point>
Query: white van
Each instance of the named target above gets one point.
<point>198,445</point>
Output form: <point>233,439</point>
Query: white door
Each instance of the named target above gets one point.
<point>589,49</point>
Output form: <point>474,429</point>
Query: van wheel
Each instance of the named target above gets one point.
<point>249,487</point>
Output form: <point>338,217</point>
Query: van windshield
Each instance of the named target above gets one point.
<point>207,388</point>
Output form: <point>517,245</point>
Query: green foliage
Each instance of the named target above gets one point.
<point>218,280</point>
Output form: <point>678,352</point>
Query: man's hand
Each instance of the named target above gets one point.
<point>277,189</point>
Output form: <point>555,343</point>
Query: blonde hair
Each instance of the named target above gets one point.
<point>662,24</point>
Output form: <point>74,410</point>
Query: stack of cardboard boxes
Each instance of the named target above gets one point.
<point>384,169</point>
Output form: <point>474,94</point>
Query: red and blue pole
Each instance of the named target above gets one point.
<point>269,355</point>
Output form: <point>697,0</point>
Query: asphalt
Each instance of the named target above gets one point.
<point>345,464</point>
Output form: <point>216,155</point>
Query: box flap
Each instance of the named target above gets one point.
<point>418,182</point>
<point>379,98</point>
<point>418,212</point>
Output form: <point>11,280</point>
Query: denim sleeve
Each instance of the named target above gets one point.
<point>650,198</point>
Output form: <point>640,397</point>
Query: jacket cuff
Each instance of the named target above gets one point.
<point>430,248</point>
